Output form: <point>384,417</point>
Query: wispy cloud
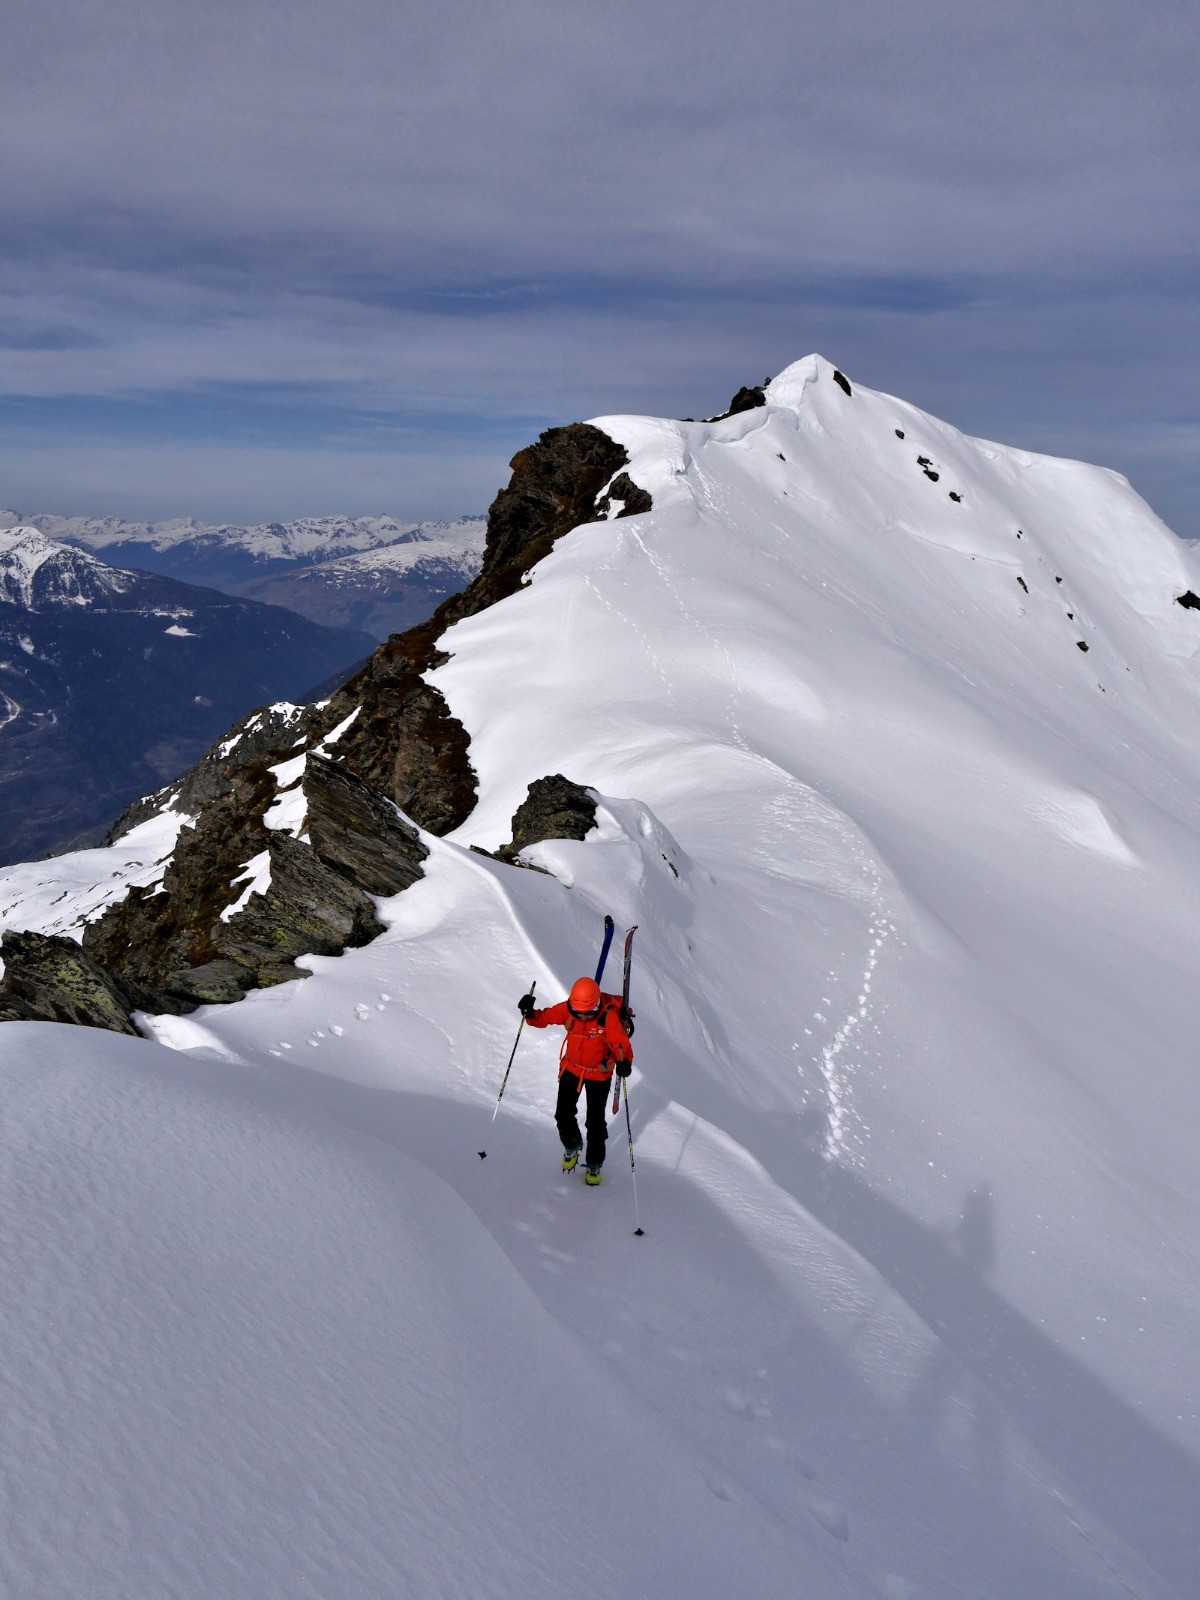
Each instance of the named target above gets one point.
<point>327,226</point>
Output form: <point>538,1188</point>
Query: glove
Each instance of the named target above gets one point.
<point>627,1020</point>
<point>525,1006</point>
<point>624,1068</point>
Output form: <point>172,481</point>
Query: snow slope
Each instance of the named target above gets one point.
<point>917,883</point>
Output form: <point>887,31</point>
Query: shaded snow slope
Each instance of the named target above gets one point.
<point>918,890</point>
<point>286,1360</point>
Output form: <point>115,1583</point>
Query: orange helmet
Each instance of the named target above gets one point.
<point>584,999</point>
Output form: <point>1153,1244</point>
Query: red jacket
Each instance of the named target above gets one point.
<point>592,1044</point>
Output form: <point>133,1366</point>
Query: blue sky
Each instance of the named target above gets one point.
<point>261,261</point>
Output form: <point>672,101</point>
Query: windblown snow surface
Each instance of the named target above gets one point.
<point>917,882</point>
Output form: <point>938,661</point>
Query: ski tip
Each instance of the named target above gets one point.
<point>608,921</point>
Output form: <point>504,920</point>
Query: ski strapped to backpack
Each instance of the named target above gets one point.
<point>604,948</point>
<point>626,1014</point>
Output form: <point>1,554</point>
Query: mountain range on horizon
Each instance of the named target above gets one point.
<point>883,737</point>
<point>374,573</point>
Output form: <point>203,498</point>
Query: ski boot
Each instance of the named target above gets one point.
<point>571,1158</point>
<point>592,1177</point>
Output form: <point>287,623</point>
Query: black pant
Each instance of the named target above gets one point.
<point>568,1122</point>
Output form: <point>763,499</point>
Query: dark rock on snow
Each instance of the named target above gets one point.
<point>554,808</point>
<point>633,500</point>
<point>746,399</point>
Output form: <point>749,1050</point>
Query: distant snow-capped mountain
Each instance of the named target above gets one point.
<point>384,590</point>
<point>111,682</point>
<point>39,574</point>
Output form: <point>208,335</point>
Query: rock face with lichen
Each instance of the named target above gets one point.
<point>50,979</point>
<point>382,759</point>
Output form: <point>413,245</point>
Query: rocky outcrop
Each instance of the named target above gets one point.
<point>309,908</point>
<point>182,940</point>
<point>382,750</point>
<point>554,808</point>
<point>264,735</point>
<point>554,487</point>
<point>746,399</point>
<point>404,741</point>
<point>50,979</point>
<point>156,933</point>
<point>358,833</point>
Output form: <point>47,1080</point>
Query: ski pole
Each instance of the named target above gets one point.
<point>637,1210</point>
<point>507,1070</point>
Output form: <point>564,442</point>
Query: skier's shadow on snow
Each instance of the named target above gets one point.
<point>1136,1480</point>
<point>946,1389</point>
<point>974,1235</point>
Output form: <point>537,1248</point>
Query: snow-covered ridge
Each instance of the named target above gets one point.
<point>460,549</point>
<point>893,736</point>
<point>62,895</point>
